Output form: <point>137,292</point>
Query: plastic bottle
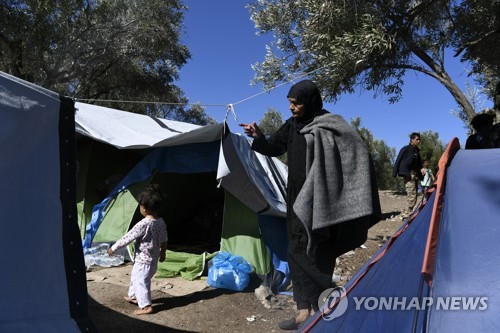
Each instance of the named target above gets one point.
<point>104,260</point>
<point>89,260</point>
<point>117,260</point>
<point>103,247</point>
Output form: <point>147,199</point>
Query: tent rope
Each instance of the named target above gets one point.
<point>229,107</point>
<point>139,102</point>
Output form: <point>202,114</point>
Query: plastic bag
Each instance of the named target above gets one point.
<point>229,272</point>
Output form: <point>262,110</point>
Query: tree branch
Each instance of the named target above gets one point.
<point>475,42</point>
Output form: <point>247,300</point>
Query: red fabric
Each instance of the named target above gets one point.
<point>367,268</point>
<point>430,248</point>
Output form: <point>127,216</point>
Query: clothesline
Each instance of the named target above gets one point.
<point>229,107</point>
<point>171,103</point>
<point>140,102</point>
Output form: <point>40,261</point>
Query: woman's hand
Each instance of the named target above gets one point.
<point>252,130</point>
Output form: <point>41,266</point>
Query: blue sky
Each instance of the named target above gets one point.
<point>223,44</point>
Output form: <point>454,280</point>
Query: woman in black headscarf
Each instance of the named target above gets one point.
<point>316,232</point>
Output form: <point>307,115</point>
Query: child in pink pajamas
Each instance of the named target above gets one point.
<point>150,236</point>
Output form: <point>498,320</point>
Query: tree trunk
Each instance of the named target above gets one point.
<point>442,76</point>
<point>457,94</point>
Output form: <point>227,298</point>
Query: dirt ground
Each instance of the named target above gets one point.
<point>183,306</point>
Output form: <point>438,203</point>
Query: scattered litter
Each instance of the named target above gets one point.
<point>363,246</point>
<point>263,293</point>
<point>167,286</point>
<point>267,298</point>
<point>348,254</point>
<point>252,318</point>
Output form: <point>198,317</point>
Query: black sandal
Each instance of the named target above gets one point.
<point>291,325</point>
<point>288,325</point>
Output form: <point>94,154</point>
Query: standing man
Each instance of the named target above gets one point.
<point>408,165</point>
<point>332,196</point>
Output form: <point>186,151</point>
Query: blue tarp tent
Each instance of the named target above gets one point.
<point>440,271</point>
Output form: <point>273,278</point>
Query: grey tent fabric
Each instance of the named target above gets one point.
<point>39,230</point>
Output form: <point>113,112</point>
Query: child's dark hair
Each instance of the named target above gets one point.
<point>151,197</point>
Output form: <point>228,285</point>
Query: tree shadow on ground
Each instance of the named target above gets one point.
<point>165,303</point>
<point>107,320</point>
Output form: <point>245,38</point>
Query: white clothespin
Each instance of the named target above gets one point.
<point>230,108</point>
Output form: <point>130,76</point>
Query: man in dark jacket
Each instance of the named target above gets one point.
<point>332,196</point>
<point>408,165</point>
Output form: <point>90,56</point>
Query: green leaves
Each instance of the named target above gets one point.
<point>382,155</point>
<point>269,124</point>
<point>371,44</point>
<point>117,50</point>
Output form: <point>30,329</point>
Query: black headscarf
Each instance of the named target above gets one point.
<point>307,93</point>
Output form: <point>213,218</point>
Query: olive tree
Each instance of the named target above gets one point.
<point>369,44</point>
<point>383,157</point>
<point>118,50</point>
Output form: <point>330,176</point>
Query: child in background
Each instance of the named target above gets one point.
<point>150,236</point>
<point>428,177</point>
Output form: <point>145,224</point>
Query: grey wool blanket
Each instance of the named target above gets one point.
<point>340,185</point>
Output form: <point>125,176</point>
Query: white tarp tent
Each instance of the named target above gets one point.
<point>171,147</point>
<point>258,181</point>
